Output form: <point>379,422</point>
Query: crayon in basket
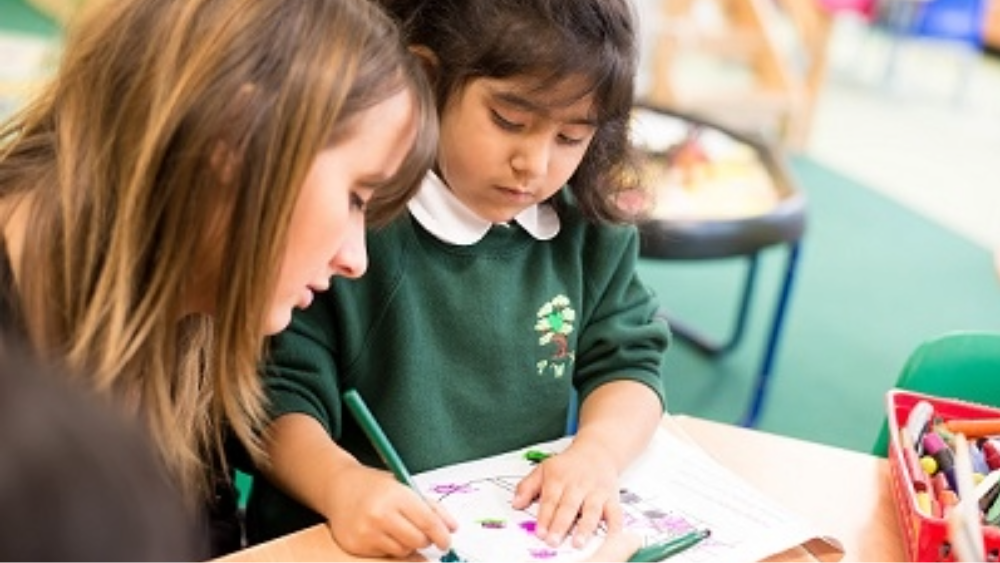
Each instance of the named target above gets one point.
<point>965,528</point>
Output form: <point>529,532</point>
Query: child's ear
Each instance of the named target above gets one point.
<point>428,60</point>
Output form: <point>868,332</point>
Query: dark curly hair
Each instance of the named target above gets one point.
<point>548,41</point>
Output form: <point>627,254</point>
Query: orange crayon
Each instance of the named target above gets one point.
<point>974,427</point>
<point>947,501</point>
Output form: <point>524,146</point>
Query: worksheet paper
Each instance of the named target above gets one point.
<point>673,488</point>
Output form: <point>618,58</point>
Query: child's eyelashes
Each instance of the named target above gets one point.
<point>503,122</point>
<point>358,203</point>
<point>514,127</point>
<point>570,141</point>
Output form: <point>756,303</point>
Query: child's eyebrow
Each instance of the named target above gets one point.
<point>522,103</point>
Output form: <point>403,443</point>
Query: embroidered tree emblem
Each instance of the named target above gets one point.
<point>555,323</point>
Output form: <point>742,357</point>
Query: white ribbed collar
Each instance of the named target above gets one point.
<point>437,209</point>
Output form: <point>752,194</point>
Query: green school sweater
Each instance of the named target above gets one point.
<point>464,351</point>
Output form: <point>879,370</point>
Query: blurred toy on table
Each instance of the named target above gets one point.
<point>698,172</point>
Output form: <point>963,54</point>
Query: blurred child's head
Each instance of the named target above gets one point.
<point>78,480</point>
<point>553,58</point>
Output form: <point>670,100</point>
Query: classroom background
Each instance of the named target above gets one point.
<point>894,143</point>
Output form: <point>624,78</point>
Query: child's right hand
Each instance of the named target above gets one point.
<point>371,514</point>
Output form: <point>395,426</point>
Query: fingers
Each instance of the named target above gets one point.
<point>368,540</point>
<point>594,510</point>
<point>428,523</point>
<point>617,547</point>
<point>575,493</point>
<point>546,511</point>
<point>400,523</point>
<point>440,528</point>
<point>527,490</point>
<point>614,518</point>
<point>558,513</point>
<point>564,506</point>
<point>582,513</point>
<point>449,521</point>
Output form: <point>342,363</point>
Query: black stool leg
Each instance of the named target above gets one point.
<point>777,322</point>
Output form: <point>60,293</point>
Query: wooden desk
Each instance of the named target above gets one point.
<point>844,494</point>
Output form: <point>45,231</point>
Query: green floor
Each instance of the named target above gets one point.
<point>874,281</point>
<point>18,15</point>
<point>29,49</point>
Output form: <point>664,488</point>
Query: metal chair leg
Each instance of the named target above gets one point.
<point>713,348</point>
<point>573,415</point>
<point>777,323</point>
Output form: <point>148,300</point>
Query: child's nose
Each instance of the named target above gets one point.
<point>531,158</point>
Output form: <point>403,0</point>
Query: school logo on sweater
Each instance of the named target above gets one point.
<point>555,324</point>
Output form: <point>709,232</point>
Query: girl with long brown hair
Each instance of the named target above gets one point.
<point>196,170</point>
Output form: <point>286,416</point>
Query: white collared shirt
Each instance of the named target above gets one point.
<point>437,209</point>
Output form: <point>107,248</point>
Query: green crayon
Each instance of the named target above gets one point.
<point>661,551</point>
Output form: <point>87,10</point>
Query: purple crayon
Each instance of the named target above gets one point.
<point>935,447</point>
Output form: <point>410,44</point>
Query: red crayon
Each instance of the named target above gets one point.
<point>923,492</point>
<point>919,478</point>
<point>946,497</point>
<point>939,484</point>
<point>991,453</point>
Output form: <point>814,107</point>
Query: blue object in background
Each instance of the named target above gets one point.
<point>955,22</point>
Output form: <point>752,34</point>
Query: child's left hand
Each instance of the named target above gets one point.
<point>575,489</point>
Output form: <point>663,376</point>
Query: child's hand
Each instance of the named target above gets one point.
<point>373,515</point>
<point>575,489</point>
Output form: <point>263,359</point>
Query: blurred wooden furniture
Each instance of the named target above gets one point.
<point>844,494</point>
<point>991,26</point>
<point>782,81</point>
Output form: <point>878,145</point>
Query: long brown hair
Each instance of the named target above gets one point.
<point>119,161</point>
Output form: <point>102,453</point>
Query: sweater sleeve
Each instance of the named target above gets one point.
<point>301,371</point>
<point>625,336</point>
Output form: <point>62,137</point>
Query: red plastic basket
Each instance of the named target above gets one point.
<point>926,536</point>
